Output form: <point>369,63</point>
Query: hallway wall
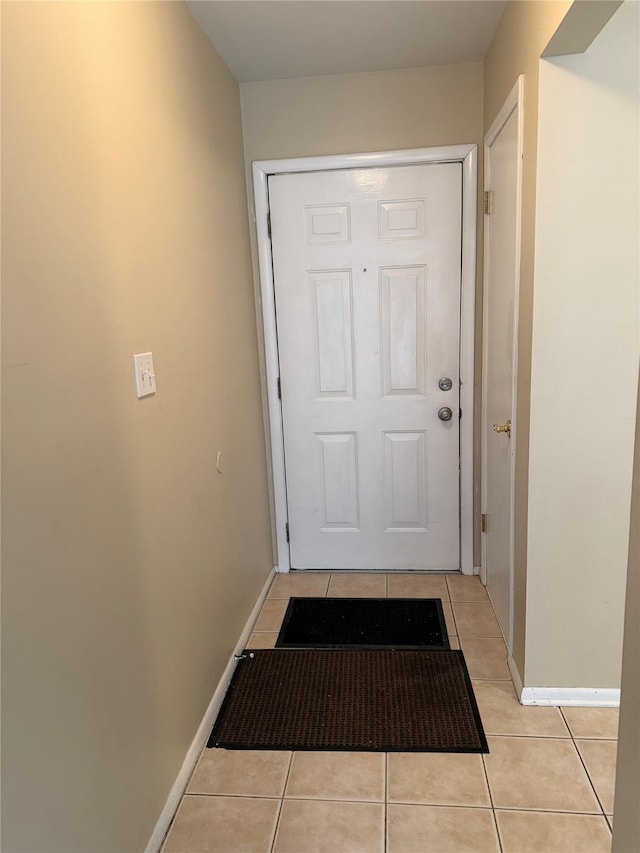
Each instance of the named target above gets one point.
<point>377,111</point>
<point>350,113</point>
<point>626,825</point>
<point>130,566</point>
<point>586,343</point>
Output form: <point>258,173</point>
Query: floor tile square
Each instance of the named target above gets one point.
<point>240,773</point>
<point>337,776</point>
<point>544,832</point>
<point>223,824</point>
<point>357,585</point>
<point>299,584</point>
<point>486,658</point>
<point>502,714</point>
<point>419,829</point>
<point>262,640</point>
<point>271,615</point>
<point>475,620</point>
<point>418,586</point>
<point>599,757</point>
<point>466,588</point>
<point>600,723</point>
<point>313,826</point>
<point>538,773</point>
<point>451,779</point>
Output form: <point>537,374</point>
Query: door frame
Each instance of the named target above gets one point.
<point>514,103</point>
<point>262,169</point>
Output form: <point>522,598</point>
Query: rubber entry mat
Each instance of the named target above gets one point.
<point>368,701</point>
<point>388,623</point>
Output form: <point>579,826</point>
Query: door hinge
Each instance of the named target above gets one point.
<point>286,527</point>
<point>488,201</point>
<point>483,524</point>
<point>279,389</point>
<point>269,224</point>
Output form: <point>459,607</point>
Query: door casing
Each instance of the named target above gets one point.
<point>514,103</point>
<point>467,156</point>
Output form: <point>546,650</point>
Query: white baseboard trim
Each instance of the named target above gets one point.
<point>204,729</point>
<point>577,697</point>
<point>515,677</point>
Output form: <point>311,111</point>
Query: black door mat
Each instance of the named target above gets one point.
<point>356,700</point>
<point>366,623</point>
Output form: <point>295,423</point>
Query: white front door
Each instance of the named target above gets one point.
<point>367,267</point>
<point>502,260</point>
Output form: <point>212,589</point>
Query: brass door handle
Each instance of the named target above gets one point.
<point>503,427</point>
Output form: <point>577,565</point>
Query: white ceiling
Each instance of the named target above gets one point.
<point>269,39</point>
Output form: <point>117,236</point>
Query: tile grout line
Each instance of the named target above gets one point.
<point>493,808</point>
<point>453,616</point>
<point>503,681</point>
<point>573,740</point>
<point>284,790</point>
<point>427,804</point>
<point>495,616</point>
<point>234,796</point>
<point>286,782</point>
<point>539,811</point>
<point>310,799</point>
<point>397,803</point>
<point>386,799</point>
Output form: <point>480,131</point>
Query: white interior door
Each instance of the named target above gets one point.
<point>367,267</point>
<point>503,157</point>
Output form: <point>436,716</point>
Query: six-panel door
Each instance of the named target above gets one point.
<point>367,280</point>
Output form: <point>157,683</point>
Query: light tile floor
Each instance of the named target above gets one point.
<point>546,786</point>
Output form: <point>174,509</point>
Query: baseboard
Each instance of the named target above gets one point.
<point>577,697</point>
<point>204,729</point>
<point>515,677</point>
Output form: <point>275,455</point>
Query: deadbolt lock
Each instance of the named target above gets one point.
<point>445,384</point>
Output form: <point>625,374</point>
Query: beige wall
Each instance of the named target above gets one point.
<point>584,359</point>
<point>626,828</point>
<point>129,565</point>
<point>352,113</point>
<point>524,31</point>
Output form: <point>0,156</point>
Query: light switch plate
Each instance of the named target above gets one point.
<point>145,374</point>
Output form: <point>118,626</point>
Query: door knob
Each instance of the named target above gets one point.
<point>445,384</point>
<point>503,427</point>
<point>445,413</point>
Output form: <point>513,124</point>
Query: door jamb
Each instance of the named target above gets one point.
<point>467,156</point>
<point>514,102</point>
